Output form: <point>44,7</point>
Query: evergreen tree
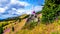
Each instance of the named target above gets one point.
<point>1,30</point>
<point>50,10</point>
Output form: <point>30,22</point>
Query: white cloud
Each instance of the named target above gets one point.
<point>29,11</point>
<point>2,10</point>
<point>38,8</point>
<point>12,2</point>
<point>20,11</point>
<point>24,3</point>
<point>11,7</point>
<point>19,2</point>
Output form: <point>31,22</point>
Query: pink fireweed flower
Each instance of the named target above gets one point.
<point>33,12</point>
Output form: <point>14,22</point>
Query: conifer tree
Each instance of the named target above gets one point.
<point>50,10</point>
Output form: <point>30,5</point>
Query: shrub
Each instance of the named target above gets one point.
<point>30,25</point>
<point>1,29</point>
<point>50,10</point>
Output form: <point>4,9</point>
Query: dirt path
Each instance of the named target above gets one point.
<point>20,25</point>
<point>17,27</point>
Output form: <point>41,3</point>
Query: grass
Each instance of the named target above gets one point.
<point>17,26</point>
<point>8,24</point>
<point>52,28</point>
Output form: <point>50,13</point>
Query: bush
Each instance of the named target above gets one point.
<point>50,11</point>
<point>30,25</point>
<point>12,28</point>
<point>1,28</point>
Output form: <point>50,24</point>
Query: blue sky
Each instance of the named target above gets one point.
<point>12,8</point>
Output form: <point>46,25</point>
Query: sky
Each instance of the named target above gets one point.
<point>13,8</point>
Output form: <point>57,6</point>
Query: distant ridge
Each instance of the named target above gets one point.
<point>14,18</point>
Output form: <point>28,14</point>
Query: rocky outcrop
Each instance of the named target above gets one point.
<point>33,18</point>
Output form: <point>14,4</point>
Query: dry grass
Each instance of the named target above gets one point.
<point>17,27</point>
<point>53,28</point>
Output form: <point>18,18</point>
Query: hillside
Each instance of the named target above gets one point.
<point>52,28</point>
<point>50,22</point>
<point>45,22</point>
<point>11,21</point>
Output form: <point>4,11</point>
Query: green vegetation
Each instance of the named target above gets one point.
<point>30,25</point>
<point>39,12</point>
<point>12,20</point>
<point>50,14</point>
<point>51,10</point>
<point>1,28</point>
<point>8,21</point>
